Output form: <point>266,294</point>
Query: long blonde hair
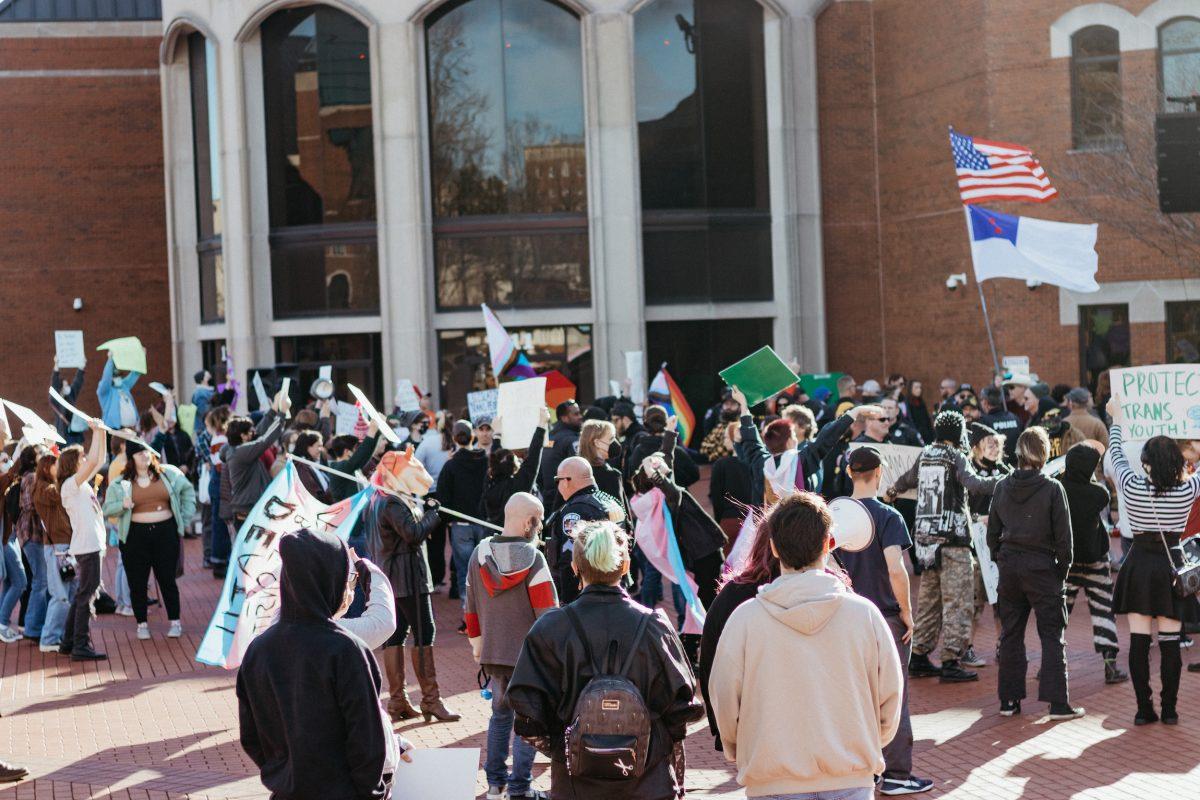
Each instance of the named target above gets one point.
<point>592,431</point>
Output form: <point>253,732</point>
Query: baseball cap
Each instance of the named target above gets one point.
<point>871,386</point>
<point>864,459</point>
<point>821,393</point>
<point>483,420</point>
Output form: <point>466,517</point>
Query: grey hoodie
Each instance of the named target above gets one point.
<point>508,588</point>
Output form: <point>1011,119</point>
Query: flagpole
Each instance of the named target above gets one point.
<point>988,322</point>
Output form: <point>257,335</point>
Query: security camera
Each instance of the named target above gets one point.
<point>956,280</point>
<point>78,304</point>
<point>1032,284</point>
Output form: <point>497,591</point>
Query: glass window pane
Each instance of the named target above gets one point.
<point>1183,332</point>
<point>696,350</point>
<point>1097,40</point>
<point>702,140</point>
<point>317,90</point>
<point>543,269</point>
<point>1103,341</point>
<point>206,153</point>
<point>1096,88</point>
<point>1179,43</point>
<point>465,367</point>
<point>347,270</point>
<point>355,358</point>
<point>212,286</point>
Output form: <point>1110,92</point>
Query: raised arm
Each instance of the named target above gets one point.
<point>970,479</point>
<point>95,456</point>
<point>105,387</point>
<point>362,454</point>
<point>527,473</point>
<point>76,385</point>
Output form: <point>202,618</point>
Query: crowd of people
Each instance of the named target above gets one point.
<point>561,550</point>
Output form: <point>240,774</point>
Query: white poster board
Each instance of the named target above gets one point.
<point>635,370</point>
<point>987,567</point>
<point>445,773</point>
<point>406,395</point>
<point>897,460</point>
<point>1162,400</point>
<point>34,427</point>
<point>1017,365</point>
<point>260,391</point>
<point>482,404</point>
<point>347,418</point>
<point>520,405</point>
<point>372,415</point>
<point>68,347</point>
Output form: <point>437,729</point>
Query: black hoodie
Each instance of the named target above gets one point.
<point>1086,499</point>
<point>460,483</point>
<point>1029,513</point>
<point>308,691</point>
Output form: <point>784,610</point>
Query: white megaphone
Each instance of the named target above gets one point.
<point>853,525</point>
<point>321,389</point>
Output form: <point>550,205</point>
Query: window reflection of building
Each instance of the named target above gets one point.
<point>506,115</point>
<point>464,365</point>
<point>1183,332</point>
<point>1096,88</point>
<point>1179,65</point>
<point>321,163</point>
<point>1103,340</point>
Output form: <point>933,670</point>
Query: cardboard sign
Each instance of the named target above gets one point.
<point>372,415</point>
<point>407,398</point>
<point>158,387</point>
<point>128,354</point>
<point>68,347</point>
<point>260,392</point>
<point>987,567</point>
<point>447,773</point>
<point>346,419</point>
<point>482,404</point>
<point>1161,400</point>
<point>760,375</point>
<point>120,434</point>
<point>520,405</point>
<point>897,460</point>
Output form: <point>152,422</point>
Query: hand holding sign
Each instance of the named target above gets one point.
<point>68,350</point>
<point>127,354</point>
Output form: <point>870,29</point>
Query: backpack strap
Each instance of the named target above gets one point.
<point>587,647</point>
<point>637,638</point>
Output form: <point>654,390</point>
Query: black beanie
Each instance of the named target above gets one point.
<point>978,432</point>
<point>948,427</point>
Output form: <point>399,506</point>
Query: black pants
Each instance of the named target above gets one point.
<point>897,754</point>
<point>79,616</point>
<point>1031,582</point>
<point>415,612</point>
<point>152,546</point>
<point>437,554</point>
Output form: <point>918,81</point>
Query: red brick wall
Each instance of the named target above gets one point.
<point>82,193</point>
<point>983,66</point>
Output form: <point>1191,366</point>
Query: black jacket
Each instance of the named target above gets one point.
<point>1005,422</point>
<point>730,488</point>
<point>719,611</point>
<point>1029,513</point>
<point>552,670</point>
<point>982,503</point>
<point>460,483</point>
<point>942,477</point>
<point>921,420</point>
<point>609,480</point>
<point>754,453</point>
<point>564,443</point>
<point>1086,501</point>
<point>647,444</point>
<point>587,505</point>
<point>905,434</point>
<point>305,674</point>
<point>496,494</point>
<point>396,542</point>
<point>626,452</point>
<point>698,534</point>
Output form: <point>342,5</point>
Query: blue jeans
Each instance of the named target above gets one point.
<point>828,794</point>
<point>652,589</point>
<point>463,538</point>
<point>359,604</point>
<point>35,612</point>
<point>14,581</point>
<point>60,600</point>
<point>500,730</point>
<point>222,543</point>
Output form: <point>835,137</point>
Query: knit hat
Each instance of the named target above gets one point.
<point>978,432</point>
<point>623,409</point>
<point>948,427</point>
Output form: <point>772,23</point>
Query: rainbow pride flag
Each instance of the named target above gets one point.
<point>507,358</point>
<point>665,392</point>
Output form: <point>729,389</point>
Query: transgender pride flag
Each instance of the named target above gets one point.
<point>507,358</point>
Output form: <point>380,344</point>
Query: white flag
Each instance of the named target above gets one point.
<point>1059,253</point>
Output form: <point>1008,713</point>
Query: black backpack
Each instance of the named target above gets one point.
<point>609,736</point>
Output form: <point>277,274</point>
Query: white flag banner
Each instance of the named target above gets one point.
<point>1027,249</point>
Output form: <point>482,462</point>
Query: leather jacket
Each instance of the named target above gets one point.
<point>552,670</point>
<point>396,542</point>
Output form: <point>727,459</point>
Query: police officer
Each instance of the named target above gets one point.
<point>582,502</point>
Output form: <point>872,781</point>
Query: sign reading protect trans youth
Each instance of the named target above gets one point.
<point>1161,400</point>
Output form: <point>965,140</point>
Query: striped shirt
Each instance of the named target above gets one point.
<point>1145,510</point>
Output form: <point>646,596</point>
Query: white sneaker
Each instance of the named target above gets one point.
<point>125,611</point>
<point>143,631</point>
<point>8,635</point>
<point>48,648</point>
<point>176,630</point>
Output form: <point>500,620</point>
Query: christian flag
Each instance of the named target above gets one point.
<point>507,358</point>
<point>1059,253</point>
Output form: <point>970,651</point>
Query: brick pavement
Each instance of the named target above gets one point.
<point>152,724</point>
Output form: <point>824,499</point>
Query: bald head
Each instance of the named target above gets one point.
<point>522,515</point>
<point>573,474</point>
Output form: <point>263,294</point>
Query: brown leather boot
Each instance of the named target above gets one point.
<point>432,706</point>
<point>399,707</point>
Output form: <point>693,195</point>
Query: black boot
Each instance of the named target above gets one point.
<point>1112,672</point>
<point>919,666</point>
<point>952,672</point>
<point>1171,664</point>
<point>1139,673</point>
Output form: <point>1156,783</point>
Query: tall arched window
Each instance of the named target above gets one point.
<point>702,138</point>
<point>206,151</point>
<point>1179,65</point>
<point>508,168</point>
<point>320,161</point>
<point>1096,88</point>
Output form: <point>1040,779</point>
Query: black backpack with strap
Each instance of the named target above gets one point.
<point>609,735</point>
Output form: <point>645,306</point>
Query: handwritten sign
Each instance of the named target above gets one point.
<point>1162,400</point>
<point>897,459</point>
<point>482,404</point>
<point>407,398</point>
<point>347,419</point>
<point>68,347</point>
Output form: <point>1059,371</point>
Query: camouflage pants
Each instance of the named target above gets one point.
<point>946,604</point>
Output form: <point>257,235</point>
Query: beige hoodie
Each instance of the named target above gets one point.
<point>806,687</point>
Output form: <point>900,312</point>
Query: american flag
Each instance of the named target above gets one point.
<point>997,171</point>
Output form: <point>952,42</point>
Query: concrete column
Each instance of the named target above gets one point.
<point>182,261</point>
<point>614,195</point>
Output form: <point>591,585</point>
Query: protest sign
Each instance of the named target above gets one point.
<point>635,370</point>
<point>260,392</point>
<point>158,387</point>
<point>372,415</point>
<point>482,404</point>
<point>1162,400</point>
<point>34,427</point>
<point>811,381</point>
<point>68,349</point>
<point>447,773</point>
<point>1015,365</point>
<point>120,434</point>
<point>760,375</point>
<point>407,398</point>
<point>346,418</point>
<point>519,404</point>
<point>249,601</point>
<point>897,460</point>
<point>127,354</point>
<point>987,567</point>
<point>187,419</point>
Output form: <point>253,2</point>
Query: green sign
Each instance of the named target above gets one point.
<point>760,375</point>
<point>810,382</point>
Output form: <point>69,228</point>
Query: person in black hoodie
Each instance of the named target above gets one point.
<point>1091,571</point>
<point>460,488</point>
<point>1029,535</point>
<point>305,673</point>
<point>650,441</point>
<point>508,474</point>
<point>987,458</point>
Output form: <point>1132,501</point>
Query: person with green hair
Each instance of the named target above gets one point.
<point>554,668</point>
